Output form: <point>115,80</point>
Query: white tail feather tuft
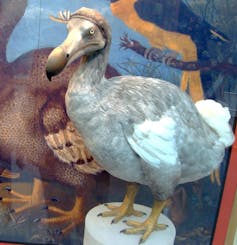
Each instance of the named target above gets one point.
<point>217,117</point>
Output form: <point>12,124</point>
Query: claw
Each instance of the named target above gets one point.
<point>12,211</point>
<point>141,241</point>
<point>45,207</point>
<point>58,232</point>
<point>54,199</point>
<point>37,220</point>
<point>8,188</point>
<point>112,222</point>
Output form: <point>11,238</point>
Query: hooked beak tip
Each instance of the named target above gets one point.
<point>49,75</point>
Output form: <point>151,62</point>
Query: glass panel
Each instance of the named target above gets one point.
<point>47,175</point>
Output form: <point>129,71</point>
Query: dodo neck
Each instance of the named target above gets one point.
<point>84,89</point>
<point>91,70</point>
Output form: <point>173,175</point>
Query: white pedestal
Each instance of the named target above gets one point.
<point>100,231</point>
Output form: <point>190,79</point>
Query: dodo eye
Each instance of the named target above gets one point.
<point>92,31</point>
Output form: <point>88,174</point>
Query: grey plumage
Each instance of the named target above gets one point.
<point>110,117</point>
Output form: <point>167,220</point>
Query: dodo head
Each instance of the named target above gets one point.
<point>88,32</point>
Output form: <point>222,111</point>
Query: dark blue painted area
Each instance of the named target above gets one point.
<point>176,16</point>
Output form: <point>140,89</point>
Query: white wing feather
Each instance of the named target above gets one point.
<point>154,141</point>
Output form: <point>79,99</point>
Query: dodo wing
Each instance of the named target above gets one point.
<point>63,138</point>
<point>154,141</point>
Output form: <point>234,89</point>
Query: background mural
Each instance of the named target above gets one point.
<point>190,43</point>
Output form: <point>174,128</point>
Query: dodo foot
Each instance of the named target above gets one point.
<point>23,205</point>
<point>126,208</point>
<point>70,218</point>
<point>120,212</point>
<point>149,225</point>
<point>145,228</point>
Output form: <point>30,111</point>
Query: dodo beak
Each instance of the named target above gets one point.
<point>56,62</point>
<point>72,48</point>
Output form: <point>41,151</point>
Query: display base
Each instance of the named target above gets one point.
<point>100,231</point>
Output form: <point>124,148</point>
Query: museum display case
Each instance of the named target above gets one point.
<point>50,182</point>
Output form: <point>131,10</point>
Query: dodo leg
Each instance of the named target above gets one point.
<point>149,225</point>
<point>126,208</point>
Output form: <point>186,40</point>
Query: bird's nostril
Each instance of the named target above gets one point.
<point>67,55</point>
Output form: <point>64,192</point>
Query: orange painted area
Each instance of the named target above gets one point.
<point>160,38</point>
<point>227,198</point>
